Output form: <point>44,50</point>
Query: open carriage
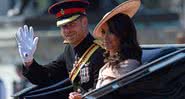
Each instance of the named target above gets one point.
<point>160,76</point>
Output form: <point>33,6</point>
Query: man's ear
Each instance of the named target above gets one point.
<point>84,21</point>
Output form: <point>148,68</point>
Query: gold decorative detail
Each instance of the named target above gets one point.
<point>62,11</point>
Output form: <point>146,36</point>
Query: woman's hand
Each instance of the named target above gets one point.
<point>75,95</point>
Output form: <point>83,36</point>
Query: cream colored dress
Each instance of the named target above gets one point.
<point>109,72</point>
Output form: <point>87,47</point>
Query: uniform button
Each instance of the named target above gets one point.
<point>79,90</point>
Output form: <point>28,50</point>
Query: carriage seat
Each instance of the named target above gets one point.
<point>150,54</point>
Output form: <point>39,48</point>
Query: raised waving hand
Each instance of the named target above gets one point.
<point>27,43</point>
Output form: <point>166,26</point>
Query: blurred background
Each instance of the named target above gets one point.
<point>157,22</point>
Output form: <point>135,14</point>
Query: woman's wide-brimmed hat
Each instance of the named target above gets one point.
<point>129,8</point>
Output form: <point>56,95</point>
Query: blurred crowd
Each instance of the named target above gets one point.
<point>18,6</point>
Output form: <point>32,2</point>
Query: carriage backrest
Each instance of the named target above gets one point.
<point>150,54</point>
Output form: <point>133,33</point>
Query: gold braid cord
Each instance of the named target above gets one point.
<point>81,62</point>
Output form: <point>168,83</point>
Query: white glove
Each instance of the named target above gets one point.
<point>27,43</point>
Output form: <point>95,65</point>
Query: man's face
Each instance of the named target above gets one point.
<point>75,31</point>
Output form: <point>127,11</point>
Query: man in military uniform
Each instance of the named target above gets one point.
<point>82,57</point>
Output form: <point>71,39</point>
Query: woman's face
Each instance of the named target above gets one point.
<point>110,41</point>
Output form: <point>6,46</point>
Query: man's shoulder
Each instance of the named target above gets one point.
<point>98,55</point>
<point>99,43</point>
<point>100,50</point>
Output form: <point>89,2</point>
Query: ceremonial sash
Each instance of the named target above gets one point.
<point>81,62</point>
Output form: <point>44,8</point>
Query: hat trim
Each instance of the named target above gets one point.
<point>69,11</point>
<point>67,20</point>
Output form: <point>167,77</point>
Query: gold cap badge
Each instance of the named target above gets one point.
<point>62,11</point>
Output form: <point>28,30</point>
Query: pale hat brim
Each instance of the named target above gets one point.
<point>67,20</point>
<point>129,8</point>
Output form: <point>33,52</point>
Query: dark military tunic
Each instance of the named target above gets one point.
<point>59,69</point>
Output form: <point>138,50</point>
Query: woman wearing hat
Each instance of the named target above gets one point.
<point>123,53</point>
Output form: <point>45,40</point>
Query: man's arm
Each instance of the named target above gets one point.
<point>46,74</point>
<point>36,73</point>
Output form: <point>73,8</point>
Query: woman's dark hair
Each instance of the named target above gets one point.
<point>123,27</point>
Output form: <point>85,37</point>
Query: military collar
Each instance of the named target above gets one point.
<point>84,45</point>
